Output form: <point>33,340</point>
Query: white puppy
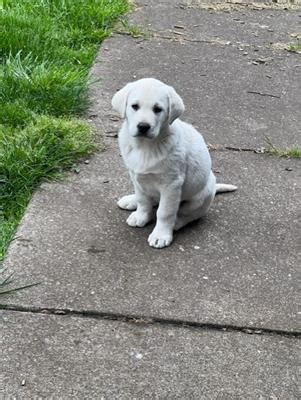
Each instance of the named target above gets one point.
<point>167,159</point>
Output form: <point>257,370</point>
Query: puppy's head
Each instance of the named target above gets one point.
<point>148,106</point>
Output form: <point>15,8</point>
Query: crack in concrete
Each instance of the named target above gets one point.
<point>182,38</point>
<point>264,94</point>
<point>214,147</point>
<point>179,37</point>
<point>220,147</point>
<point>113,134</point>
<point>146,320</point>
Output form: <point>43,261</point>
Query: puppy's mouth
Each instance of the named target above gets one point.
<point>140,135</point>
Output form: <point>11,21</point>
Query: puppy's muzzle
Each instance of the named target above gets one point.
<point>143,128</point>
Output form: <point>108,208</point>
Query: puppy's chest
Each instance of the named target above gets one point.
<point>150,184</point>
<point>143,161</point>
<point>151,168</point>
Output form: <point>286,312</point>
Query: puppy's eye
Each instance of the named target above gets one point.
<point>135,107</point>
<point>157,109</point>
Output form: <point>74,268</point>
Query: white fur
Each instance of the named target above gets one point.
<point>170,165</point>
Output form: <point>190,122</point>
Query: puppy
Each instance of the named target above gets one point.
<point>168,160</point>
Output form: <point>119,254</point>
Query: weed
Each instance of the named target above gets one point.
<point>6,281</point>
<point>132,30</point>
<point>295,47</point>
<point>293,152</point>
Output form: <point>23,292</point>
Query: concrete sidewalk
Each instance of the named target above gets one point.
<point>214,316</point>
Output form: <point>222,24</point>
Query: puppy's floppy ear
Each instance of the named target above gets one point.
<point>176,105</point>
<point>119,99</point>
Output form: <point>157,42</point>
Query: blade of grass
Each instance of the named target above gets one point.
<point>13,290</point>
<point>6,281</point>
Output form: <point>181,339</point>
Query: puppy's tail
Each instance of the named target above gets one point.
<point>223,187</point>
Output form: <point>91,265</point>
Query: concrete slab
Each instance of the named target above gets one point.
<point>238,266</point>
<point>217,84</point>
<point>46,356</point>
<point>245,26</point>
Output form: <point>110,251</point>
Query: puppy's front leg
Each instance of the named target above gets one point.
<point>144,213</point>
<point>162,234</point>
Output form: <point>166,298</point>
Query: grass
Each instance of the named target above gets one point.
<point>295,47</point>
<point>46,50</point>
<point>293,152</point>
<point>6,281</point>
<point>38,152</point>
<point>134,31</point>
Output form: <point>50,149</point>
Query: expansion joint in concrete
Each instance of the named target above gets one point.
<point>150,320</point>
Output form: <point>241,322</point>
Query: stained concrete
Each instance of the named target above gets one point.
<point>47,356</point>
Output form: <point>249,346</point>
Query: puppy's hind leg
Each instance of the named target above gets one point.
<point>193,210</point>
<point>198,206</point>
<point>128,202</point>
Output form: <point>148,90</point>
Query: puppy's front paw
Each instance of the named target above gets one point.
<point>159,239</point>
<point>128,202</point>
<point>138,219</point>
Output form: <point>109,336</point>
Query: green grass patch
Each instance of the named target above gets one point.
<point>292,152</point>
<point>46,50</point>
<point>39,152</point>
<point>45,88</point>
<point>295,47</point>
<point>136,31</point>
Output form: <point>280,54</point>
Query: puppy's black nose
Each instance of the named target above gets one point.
<point>143,127</point>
